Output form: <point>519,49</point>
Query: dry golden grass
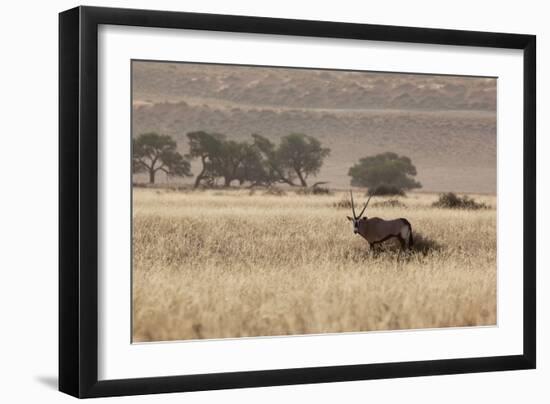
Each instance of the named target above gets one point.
<point>219,264</point>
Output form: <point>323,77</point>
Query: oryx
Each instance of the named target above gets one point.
<point>376,230</point>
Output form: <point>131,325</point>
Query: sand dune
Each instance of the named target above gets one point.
<point>447,125</point>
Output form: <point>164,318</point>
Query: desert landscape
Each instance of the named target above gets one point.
<point>446,125</point>
<point>220,251</point>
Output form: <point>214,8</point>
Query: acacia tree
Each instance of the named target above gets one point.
<point>296,158</point>
<point>207,147</point>
<point>259,162</point>
<point>385,169</point>
<point>301,154</point>
<point>229,162</point>
<point>152,152</point>
<point>273,168</point>
<point>254,168</point>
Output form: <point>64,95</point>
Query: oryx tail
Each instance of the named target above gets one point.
<point>411,241</point>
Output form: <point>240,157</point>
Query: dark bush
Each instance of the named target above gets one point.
<point>320,191</point>
<point>390,203</point>
<point>343,204</point>
<point>304,191</point>
<point>275,191</point>
<point>450,200</point>
<point>382,190</point>
<point>313,191</point>
<point>316,189</point>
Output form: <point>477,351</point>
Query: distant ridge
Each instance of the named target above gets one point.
<point>447,125</point>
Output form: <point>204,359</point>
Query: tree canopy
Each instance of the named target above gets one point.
<point>152,152</point>
<point>303,155</point>
<point>273,168</point>
<point>206,146</point>
<point>385,169</point>
<point>259,162</point>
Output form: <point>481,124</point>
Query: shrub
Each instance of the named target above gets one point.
<point>450,200</point>
<point>390,203</point>
<point>382,190</point>
<point>320,191</point>
<point>343,204</point>
<point>304,191</point>
<point>316,189</point>
<point>275,191</point>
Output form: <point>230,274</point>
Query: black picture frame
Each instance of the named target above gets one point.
<point>78,201</point>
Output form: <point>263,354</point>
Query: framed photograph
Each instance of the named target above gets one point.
<point>251,202</point>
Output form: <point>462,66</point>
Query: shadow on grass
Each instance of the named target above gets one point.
<point>422,246</point>
<point>425,245</point>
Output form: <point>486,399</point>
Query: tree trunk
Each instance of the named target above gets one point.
<point>227,182</point>
<point>151,176</point>
<point>200,176</point>
<point>283,179</point>
<point>198,179</point>
<point>301,178</point>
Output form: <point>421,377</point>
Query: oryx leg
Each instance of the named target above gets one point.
<point>403,243</point>
<point>372,245</point>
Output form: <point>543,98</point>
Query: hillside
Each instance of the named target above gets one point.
<point>447,125</point>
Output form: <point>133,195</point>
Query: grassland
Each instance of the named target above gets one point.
<point>219,264</point>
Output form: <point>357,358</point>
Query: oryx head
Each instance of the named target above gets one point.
<point>357,218</point>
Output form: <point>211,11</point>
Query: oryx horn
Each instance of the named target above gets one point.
<point>352,204</point>
<point>367,204</point>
